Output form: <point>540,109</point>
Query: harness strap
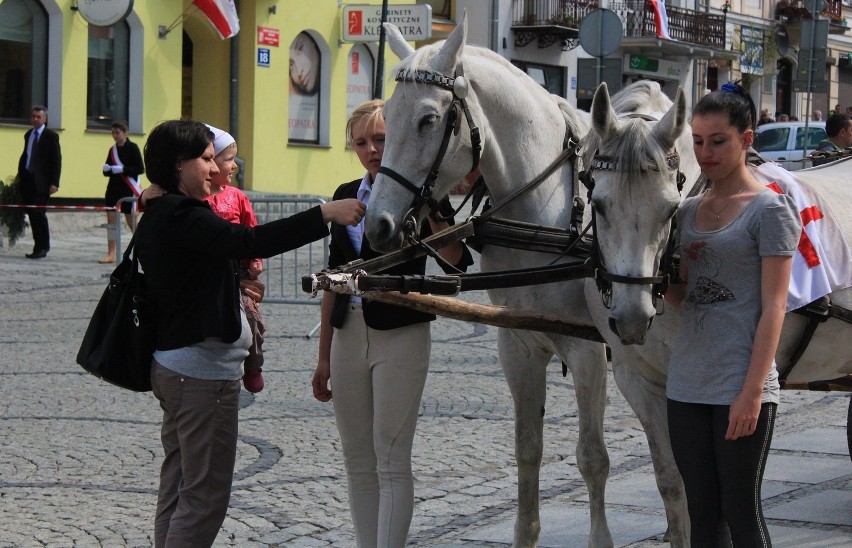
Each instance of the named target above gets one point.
<point>817,312</point>
<point>399,179</point>
<point>565,155</point>
<point>451,285</point>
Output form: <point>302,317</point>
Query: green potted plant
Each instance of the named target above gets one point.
<point>11,218</point>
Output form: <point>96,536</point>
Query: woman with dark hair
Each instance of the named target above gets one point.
<point>737,242</point>
<point>190,259</point>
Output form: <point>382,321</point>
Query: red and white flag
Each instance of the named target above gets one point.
<point>222,14</point>
<point>661,19</point>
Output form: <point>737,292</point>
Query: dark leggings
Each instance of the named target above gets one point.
<point>722,478</point>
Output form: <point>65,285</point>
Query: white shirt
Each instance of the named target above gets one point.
<point>356,233</point>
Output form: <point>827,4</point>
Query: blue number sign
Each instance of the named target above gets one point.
<point>263,57</point>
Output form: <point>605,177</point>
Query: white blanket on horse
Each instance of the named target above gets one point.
<point>823,262</point>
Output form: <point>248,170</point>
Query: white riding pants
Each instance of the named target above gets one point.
<point>377,378</point>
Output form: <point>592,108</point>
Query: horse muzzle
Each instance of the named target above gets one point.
<point>383,231</point>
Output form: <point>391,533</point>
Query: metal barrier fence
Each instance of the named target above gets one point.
<point>115,229</point>
<point>283,273</point>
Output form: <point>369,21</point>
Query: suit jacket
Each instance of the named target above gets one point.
<point>46,164</point>
<point>379,315</point>
<point>189,256</point>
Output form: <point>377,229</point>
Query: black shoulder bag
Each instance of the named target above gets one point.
<point>119,343</point>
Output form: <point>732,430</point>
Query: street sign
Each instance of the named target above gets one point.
<point>268,36</point>
<point>263,57</point>
<point>601,32</point>
<point>812,60</point>
<point>814,34</point>
<point>362,23</point>
<point>801,86</point>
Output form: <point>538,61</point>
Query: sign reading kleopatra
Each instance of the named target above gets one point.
<point>362,23</point>
<point>104,13</point>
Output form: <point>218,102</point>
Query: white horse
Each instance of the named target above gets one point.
<point>636,188</point>
<point>523,129</point>
<point>635,163</point>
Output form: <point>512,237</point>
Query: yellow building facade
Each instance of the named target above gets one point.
<point>166,60</point>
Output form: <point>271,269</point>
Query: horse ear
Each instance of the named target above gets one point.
<point>671,125</point>
<point>603,116</point>
<point>451,52</point>
<point>397,42</point>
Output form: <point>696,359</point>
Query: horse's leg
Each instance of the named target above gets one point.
<point>524,367</point>
<point>587,362</point>
<point>648,400</point>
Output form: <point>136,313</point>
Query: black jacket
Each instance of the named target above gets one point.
<point>47,161</point>
<point>189,256</point>
<point>379,315</point>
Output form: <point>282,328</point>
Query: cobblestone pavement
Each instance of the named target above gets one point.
<point>79,458</point>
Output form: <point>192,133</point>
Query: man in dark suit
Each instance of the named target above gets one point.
<point>38,173</point>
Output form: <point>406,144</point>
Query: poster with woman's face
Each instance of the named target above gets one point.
<point>304,89</point>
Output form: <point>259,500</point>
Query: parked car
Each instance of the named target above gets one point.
<point>784,142</point>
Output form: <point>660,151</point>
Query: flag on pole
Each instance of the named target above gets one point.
<point>222,14</point>
<point>661,19</point>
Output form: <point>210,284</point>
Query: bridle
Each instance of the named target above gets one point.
<point>603,278</point>
<point>458,85</point>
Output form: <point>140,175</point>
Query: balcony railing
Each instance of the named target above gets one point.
<point>798,9</point>
<point>549,21</point>
<point>564,13</point>
<point>689,26</point>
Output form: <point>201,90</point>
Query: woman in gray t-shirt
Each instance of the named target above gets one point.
<point>736,246</point>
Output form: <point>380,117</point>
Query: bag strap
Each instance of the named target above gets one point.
<point>129,250</point>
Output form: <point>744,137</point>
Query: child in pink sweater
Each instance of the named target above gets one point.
<point>233,205</point>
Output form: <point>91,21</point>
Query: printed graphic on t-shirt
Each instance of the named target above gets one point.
<point>707,291</point>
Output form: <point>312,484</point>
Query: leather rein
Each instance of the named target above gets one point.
<point>593,266</point>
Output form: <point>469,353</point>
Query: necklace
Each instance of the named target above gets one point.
<point>718,214</point>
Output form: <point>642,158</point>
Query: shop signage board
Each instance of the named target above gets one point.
<point>362,23</point>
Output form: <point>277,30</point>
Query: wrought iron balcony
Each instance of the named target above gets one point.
<point>797,10</point>
<point>549,21</point>
<point>687,26</point>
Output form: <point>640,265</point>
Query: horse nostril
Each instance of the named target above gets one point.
<point>381,233</point>
<point>613,327</point>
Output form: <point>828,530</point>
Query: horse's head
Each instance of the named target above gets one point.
<point>634,154</point>
<point>430,146</point>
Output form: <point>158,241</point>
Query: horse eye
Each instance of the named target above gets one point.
<point>426,120</point>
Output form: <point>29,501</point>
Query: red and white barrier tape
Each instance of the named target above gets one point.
<point>91,208</point>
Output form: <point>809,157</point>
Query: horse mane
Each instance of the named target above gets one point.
<point>634,147</point>
<point>577,121</point>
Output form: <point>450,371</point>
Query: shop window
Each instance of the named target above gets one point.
<point>305,97</point>
<point>441,9</point>
<point>108,79</point>
<point>23,59</point>
<point>359,77</point>
<point>549,77</point>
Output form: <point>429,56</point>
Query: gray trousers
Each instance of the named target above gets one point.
<point>199,438</point>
